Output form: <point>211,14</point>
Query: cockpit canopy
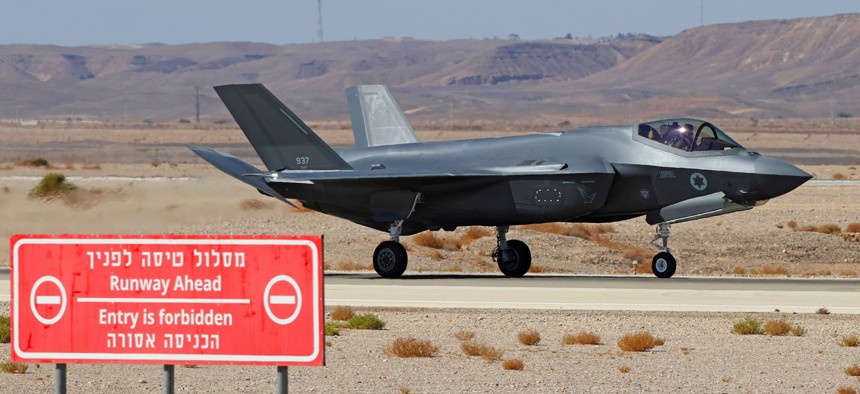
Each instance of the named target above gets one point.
<point>689,135</point>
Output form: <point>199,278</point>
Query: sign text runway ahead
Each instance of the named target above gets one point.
<point>167,299</point>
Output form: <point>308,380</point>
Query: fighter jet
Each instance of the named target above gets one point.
<point>669,171</point>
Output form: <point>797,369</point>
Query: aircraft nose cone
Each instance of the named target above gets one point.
<point>776,177</point>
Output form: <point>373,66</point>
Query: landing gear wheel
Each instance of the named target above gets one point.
<point>663,265</point>
<point>389,259</point>
<point>518,259</point>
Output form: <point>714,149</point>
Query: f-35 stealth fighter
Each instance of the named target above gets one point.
<point>669,171</point>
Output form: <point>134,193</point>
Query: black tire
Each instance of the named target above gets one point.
<point>519,259</point>
<point>389,259</point>
<point>663,265</point>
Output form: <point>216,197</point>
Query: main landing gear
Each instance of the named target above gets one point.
<point>663,265</point>
<point>514,257</point>
<point>390,257</point>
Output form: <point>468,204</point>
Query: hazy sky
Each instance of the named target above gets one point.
<point>83,22</point>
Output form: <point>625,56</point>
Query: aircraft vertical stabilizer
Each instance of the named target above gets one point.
<point>280,138</point>
<point>376,117</point>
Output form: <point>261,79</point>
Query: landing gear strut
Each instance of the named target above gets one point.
<point>514,257</point>
<point>663,265</point>
<point>390,258</point>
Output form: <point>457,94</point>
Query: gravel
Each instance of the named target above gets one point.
<point>700,354</point>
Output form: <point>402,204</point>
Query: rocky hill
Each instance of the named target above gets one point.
<point>802,67</point>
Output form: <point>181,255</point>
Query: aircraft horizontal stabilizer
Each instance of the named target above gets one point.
<point>238,169</point>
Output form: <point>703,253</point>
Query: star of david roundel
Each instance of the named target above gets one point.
<point>698,181</point>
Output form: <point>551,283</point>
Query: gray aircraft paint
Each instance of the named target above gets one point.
<point>591,174</point>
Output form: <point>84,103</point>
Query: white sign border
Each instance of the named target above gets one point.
<point>168,357</point>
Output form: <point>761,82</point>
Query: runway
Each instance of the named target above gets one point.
<point>579,292</point>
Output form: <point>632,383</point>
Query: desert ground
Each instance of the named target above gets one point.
<point>143,181</point>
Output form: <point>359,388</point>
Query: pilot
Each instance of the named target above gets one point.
<point>679,136</point>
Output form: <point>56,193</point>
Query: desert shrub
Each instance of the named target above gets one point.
<point>35,162</point>
<point>581,338</point>
<point>10,367</point>
<point>623,369</point>
<point>411,347</point>
<point>486,352</point>
<point>513,364</point>
<point>822,311</point>
<point>5,329</point>
<point>189,365</point>
<point>739,270</point>
<point>529,337</point>
<point>776,327</point>
<point>52,185</point>
<point>464,335</point>
<point>748,326</point>
<point>792,224</point>
<point>830,229</point>
<point>474,233</point>
<point>342,313</point>
<point>353,266</point>
<point>430,240</point>
<point>331,329</point>
<point>365,321</point>
<point>838,176</point>
<point>853,370</point>
<point>637,342</point>
<point>852,228</point>
<point>850,341</point>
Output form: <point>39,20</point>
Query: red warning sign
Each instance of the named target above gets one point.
<point>167,299</point>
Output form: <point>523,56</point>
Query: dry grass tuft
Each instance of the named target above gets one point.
<point>342,313</point>
<point>5,329</point>
<point>411,347</point>
<point>792,224</point>
<point>529,337</point>
<point>579,230</point>
<point>846,390</point>
<point>739,270</point>
<point>34,162</point>
<point>772,270</point>
<point>637,342</point>
<point>642,255</point>
<point>853,370</point>
<point>51,186</point>
<point>776,327</point>
<point>838,176</point>
<point>581,338</point>
<point>365,321</point>
<point>10,367</point>
<point>429,239</point>
<point>405,390</point>
<point>486,352</point>
<point>822,311</point>
<point>623,368</point>
<point>853,228</point>
<point>464,335</point>
<point>659,341</point>
<point>748,326</point>
<point>255,204</point>
<point>513,364</point>
<point>797,331</point>
<point>850,341</point>
<point>189,365</point>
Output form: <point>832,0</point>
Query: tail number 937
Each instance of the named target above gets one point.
<point>302,160</point>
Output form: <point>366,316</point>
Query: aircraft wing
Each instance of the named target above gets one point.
<point>380,173</point>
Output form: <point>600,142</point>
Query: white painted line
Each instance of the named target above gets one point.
<point>166,300</point>
<point>282,300</point>
<point>48,300</point>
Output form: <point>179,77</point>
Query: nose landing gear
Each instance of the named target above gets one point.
<point>663,265</point>
<point>390,257</point>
